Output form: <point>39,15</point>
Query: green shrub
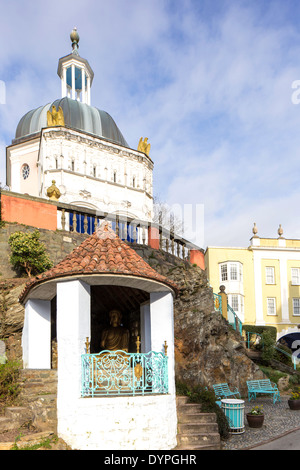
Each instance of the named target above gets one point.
<point>268,350</point>
<point>28,253</point>
<point>9,382</point>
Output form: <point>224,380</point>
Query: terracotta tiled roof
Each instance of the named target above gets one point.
<point>101,253</point>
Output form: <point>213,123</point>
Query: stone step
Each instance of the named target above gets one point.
<point>189,408</point>
<point>196,417</point>
<point>15,416</point>
<point>198,439</point>
<point>28,440</point>
<point>193,428</point>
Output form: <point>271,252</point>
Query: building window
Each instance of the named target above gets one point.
<point>236,302</point>
<point>231,271</point>
<point>271,306</point>
<point>296,306</point>
<point>25,171</point>
<point>270,275</point>
<point>94,171</point>
<point>224,276</point>
<point>72,165</point>
<point>115,177</point>
<point>133,182</point>
<point>295,276</point>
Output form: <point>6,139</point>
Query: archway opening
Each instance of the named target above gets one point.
<point>127,300</point>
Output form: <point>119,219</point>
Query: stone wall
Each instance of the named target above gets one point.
<point>207,349</point>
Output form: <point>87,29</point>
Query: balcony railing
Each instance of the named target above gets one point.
<point>118,373</point>
<point>77,219</point>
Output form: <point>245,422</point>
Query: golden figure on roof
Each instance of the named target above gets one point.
<point>144,146</point>
<point>55,118</point>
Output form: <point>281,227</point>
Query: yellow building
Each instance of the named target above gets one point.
<point>262,281</point>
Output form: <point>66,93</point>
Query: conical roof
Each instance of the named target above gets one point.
<point>103,252</point>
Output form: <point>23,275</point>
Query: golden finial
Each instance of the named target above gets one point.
<point>87,345</point>
<point>254,230</point>
<point>53,192</point>
<point>165,347</point>
<point>138,343</point>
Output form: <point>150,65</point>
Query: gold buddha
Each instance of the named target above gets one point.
<point>116,336</point>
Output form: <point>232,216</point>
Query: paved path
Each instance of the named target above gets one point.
<point>290,441</point>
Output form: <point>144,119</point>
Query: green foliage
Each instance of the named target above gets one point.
<point>268,350</point>
<point>207,399</point>
<point>28,253</point>
<point>9,382</point>
<point>261,329</point>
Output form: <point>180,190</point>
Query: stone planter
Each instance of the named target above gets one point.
<point>294,404</point>
<point>255,421</point>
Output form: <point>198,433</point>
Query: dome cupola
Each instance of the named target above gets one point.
<point>76,77</point>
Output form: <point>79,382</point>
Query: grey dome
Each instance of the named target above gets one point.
<point>77,115</point>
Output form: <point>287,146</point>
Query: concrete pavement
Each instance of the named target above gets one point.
<point>289,441</point>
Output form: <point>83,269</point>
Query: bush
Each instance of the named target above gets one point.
<point>268,350</point>
<point>9,382</point>
<point>28,253</point>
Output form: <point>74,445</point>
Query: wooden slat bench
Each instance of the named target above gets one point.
<point>223,391</point>
<point>262,386</point>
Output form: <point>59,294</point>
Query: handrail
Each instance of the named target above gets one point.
<point>235,322</point>
<point>118,373</point>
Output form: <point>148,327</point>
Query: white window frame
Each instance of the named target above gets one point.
<point>295,279</point>
<point>270,274</point>
<point>271,309</point>
<point>231,271</point>
<point>236,300</point>
<point>296,308</point>
<point>224,272</point>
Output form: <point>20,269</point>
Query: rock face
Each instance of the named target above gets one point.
<point>207,349</point>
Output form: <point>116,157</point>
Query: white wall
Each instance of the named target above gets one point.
<point>36,337</point>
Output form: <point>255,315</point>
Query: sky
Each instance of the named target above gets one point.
<point>214,85</point>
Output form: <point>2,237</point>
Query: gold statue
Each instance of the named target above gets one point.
<point>53,192</point>
<point>55,118</point>
<point>144,146</point>
<point>116,336</point>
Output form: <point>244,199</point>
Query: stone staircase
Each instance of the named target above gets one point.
<point>36,419</point>
<point>196,430</point>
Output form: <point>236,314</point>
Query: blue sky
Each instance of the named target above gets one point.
<point>208,82</point>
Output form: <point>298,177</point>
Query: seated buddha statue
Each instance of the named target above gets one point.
<point>116,336</point>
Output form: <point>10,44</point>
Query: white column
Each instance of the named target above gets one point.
<point>285,318</point>
<point>88,90</point>
<point>36,337</point>
<point>73,327</point>
<point>83,98</point>
<point>258,289</point>
<point>73,81</point>
<point>162,329</point>
<point>64,83</point>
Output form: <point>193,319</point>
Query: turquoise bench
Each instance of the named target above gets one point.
<point>262,386</point>
<point>223,391</point>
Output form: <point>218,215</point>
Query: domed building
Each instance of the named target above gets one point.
<point>81,149</point>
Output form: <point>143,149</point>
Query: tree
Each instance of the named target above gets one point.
<point>28,253</point>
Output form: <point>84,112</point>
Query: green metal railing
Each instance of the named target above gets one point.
<point>118,373</point>
<point>232,317</point>
<point>234,320</point>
